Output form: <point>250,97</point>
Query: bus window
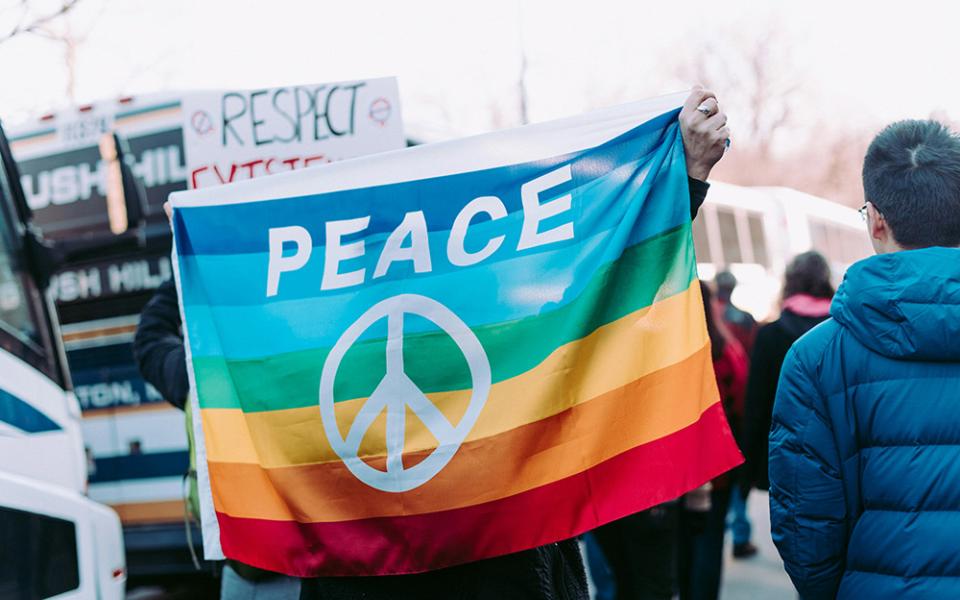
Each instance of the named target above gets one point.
<point>818,238</point>
<point>729,238</point>
<point>15,316</point>
<point>838,244</point>
<point>758,241</point>
<point>700,240</point>
<point>856,246</point>
<point>41,558</point>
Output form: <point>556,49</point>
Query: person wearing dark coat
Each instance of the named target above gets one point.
<point>158,346</point>
<point>865,443</point>
<point>806,303</point>
<point>160,354</point>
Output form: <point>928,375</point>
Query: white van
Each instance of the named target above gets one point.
<point>56,543</point>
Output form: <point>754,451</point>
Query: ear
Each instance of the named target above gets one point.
<point>877,225</point>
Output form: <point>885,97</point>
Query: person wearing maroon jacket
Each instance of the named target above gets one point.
<point>743,326</point>
<point>700,551</point>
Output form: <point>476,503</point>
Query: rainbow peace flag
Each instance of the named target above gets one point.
<point>450,352</point>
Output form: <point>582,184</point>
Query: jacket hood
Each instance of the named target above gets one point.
<point>904,305</point>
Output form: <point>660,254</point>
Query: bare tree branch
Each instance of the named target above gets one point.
<point>37,25</point>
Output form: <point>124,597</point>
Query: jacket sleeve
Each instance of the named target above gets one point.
<point>698,193</point>
<point>158,346</point>
<point>807,507</point>
<point>758,404</point>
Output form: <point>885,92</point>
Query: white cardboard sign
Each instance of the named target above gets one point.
<point>236,135</point>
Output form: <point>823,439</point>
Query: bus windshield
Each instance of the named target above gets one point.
<point>21,328</point>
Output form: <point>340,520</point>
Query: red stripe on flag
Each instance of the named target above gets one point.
<point>628,483</point>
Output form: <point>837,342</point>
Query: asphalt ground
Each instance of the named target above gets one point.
<point>761,577</point>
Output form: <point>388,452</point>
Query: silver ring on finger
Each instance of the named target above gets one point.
<point>704,109</point>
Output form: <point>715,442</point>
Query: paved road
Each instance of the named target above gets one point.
<point>761,577</point>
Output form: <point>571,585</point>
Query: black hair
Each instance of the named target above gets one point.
<point>715,329</point>
<point>725,282</point>
<point>808,273</point>
<point>911,174</point>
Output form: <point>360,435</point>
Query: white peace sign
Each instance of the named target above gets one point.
<point>396,391</point>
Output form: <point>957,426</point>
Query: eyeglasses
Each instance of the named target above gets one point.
<point>863,212</point>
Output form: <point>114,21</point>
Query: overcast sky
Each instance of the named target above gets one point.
<point>458,62</point>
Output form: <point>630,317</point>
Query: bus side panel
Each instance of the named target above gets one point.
<point>136,446</point>
<point>40,434</point>
<point>136,442</point>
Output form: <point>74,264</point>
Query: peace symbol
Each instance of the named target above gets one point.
<point>396,391</point>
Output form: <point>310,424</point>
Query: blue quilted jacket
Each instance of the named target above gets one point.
<point>865,443</point>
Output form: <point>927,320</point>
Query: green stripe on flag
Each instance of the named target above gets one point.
<point>641,276</point>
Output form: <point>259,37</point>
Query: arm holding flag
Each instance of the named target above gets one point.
<point>703,126</point>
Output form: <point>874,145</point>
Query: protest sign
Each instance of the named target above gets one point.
<point>236,135</point>
<point>458,351</point>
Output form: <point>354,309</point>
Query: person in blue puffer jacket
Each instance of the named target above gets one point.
<point>865,442</point>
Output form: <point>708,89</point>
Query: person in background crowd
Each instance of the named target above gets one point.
<point>640,549</point>
<point>738,322</point>
<point>700,561</point>
<point>598,569</point>
<point>743,327</point>
<point>160,354</point>
<point>807,292</point>
<point>865,444</point>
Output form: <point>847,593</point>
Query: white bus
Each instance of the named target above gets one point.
<point>755,231</point>
<point>54,541</point>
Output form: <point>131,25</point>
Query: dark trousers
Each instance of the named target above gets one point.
<point>700,550</point>
<point>551,572</point>
<point>640,550</point>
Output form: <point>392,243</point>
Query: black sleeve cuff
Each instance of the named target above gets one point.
<point>698,193</point>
